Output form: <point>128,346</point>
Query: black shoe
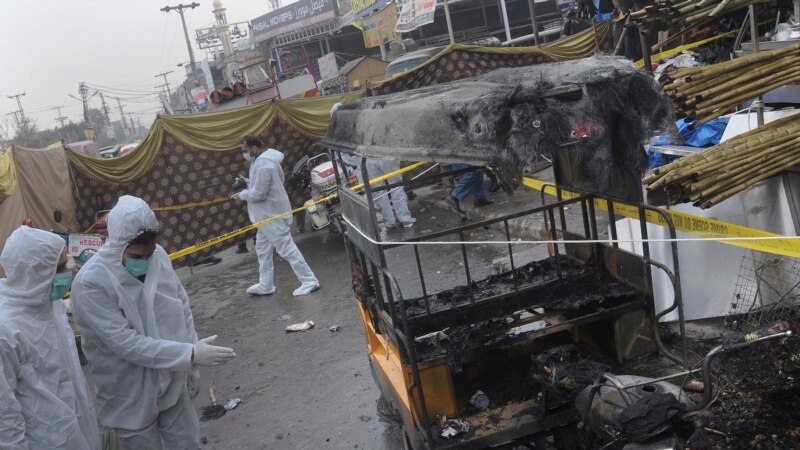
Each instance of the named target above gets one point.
<point>452,203</point>
<point>482,202</point>
<point>242,248</point>
<point>411,195</point>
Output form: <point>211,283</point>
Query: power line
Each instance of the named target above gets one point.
<point>116,89</point>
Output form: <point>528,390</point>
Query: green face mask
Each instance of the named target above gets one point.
<point>61,285</point>
<point>137,267</point>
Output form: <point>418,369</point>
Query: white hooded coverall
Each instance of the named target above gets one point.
<point>138,337</point>
<point>44,402</point>
<point>266,197</point>
<point>377,168</point>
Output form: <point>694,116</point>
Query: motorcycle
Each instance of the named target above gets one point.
<point>318,180</point>
<point>635,413</point>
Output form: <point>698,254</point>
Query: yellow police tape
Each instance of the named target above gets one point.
<point>192,205</point>
<point>216,240</point>
<point>691,224</point>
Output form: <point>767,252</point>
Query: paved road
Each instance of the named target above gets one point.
<point>303,390</point>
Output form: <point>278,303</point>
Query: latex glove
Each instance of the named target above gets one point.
<point>193,381</point>
<point>206,354</point>
<point>236,196</point>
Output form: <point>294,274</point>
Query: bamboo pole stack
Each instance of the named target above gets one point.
<point>714,175</point>
<point>702,94</point>
<point>666,14</point>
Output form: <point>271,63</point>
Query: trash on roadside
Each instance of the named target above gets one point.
<point>453,427</point>
<point>232,403</point>
<point>480,400</point>
<point>334,328</point>
<point>307,325</point>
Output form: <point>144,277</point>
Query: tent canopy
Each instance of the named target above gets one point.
<point>219,131</point>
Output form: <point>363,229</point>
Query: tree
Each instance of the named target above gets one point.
<point>29,136</point>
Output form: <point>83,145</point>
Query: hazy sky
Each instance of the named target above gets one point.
<point>49,46</point>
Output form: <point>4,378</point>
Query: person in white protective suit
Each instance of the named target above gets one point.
<point>44,401</point>
<point>377,168</point>
<point>138,335</point>
<point>266,197</point>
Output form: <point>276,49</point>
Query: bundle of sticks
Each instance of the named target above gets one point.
<point>668,14</point>
<point>702,94</point>
<point>717,173</point>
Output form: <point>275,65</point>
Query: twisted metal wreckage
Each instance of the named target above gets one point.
<point>601,108</point>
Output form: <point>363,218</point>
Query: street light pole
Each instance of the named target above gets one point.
<point>180,9</point>
<point>449,22</point>
<point>532,6</point>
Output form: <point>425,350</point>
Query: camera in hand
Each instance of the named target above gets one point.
<point>239,184</point>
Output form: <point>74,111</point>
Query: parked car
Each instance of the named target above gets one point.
<point>127,148</point>
<point>416,58</point>
<point>410,61</point>
<point>109,152</point>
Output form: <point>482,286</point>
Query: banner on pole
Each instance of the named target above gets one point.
<point>379,27</point>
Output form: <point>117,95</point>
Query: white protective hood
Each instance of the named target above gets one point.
<point>129,218</point>
<point>29,258</point>
<point>265,194</point>
<point>40,374</point>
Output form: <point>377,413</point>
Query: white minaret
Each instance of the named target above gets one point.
<point>223,32</point>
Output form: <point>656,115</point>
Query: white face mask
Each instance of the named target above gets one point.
<point>248,156</point>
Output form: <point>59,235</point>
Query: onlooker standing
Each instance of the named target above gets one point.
<point>470,183</point>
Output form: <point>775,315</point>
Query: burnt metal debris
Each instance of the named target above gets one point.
<point>602,106</point>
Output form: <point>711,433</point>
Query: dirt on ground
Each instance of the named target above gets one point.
<point>758,405</point>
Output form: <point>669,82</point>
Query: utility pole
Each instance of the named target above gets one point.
<point>83,91</point>
<point>166,92</point>
<point>134,131</point>
<point>166,83</point>
<point>16,118</point>
<point>60,118</point>
<point>122,113</point>
<point>180,9</point>
<point>105,109</point>
<point>21,111</point>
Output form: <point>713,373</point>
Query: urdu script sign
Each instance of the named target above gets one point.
<point>292,17</point>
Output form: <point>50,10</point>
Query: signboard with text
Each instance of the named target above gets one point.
<point>379,27</point>
<point>300,14</point>
<point>414,14</point>
<point>363,8</point>
<point>84,246</point>
<point>200,97</point>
